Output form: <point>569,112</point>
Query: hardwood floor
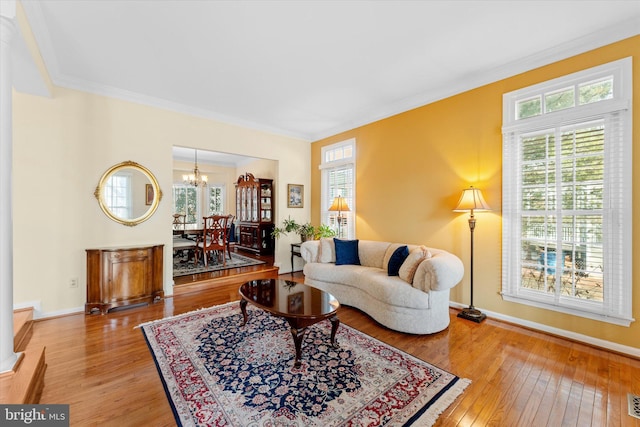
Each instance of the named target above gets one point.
<point>101,366</point>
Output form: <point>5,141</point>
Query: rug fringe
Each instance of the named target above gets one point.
<point>177,316</point>
<point>430,417</point>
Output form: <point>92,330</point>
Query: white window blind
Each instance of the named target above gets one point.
<point>338,179</point>
<point>567,195</point>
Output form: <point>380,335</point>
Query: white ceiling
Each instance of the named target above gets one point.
<point>309,69</point>
<point>211,157</point>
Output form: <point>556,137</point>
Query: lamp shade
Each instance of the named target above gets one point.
<point>339,204</point>
<point>471,200</point>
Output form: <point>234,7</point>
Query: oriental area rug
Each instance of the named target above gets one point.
<point>217,372</point>
<point>185,266</point>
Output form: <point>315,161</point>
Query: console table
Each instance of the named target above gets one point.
<point>295,251</point>
<point>123,276</point>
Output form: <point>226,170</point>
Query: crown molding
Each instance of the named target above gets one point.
<point>566,50</point>
<point>592,41</point>
<point>35,16</point>
<point>138,98</point>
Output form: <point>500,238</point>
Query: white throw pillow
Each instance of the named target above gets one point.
<point>327,250</point>
<point>410,265</point>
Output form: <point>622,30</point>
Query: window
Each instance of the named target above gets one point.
<point>118,195</point>
<point>187,200</point>
<point>338,179</point>
<point>567,194</point>
<point>216,200</point>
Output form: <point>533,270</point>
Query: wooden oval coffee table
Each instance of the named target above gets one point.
<point>300,305</point>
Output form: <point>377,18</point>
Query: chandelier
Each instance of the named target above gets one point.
<point>195,178</point>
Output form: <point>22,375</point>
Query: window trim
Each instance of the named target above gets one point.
<point>616,307</point>
<point>325,167</point>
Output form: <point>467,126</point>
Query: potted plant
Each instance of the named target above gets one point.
<point>323,231</point>
<point>305,231</point>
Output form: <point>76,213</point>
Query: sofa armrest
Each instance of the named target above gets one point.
<point>310,251</point>
<point>442,271</point>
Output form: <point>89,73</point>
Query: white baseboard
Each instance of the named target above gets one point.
<point>36,305</point>
<point>596,342</point>
<point>40,315</point>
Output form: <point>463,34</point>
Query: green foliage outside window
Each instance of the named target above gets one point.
<point>596,91</point>
<point>529,108</point>
<point>185,201</point>
<point>216,206</point>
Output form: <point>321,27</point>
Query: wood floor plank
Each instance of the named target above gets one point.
<point>519,394</point>
<point>626,386</point>
<point>601,388</point>
<point>537,390</point>
<point>587,403</point>
<point>579,358</point>
<point>482,359</point>
<point>615,409</point>
<point>101,366</point>
<point>562,392</point>
<point>498,388</point>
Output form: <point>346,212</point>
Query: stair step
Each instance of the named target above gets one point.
<point>25,382</point>
<point>22,328</point>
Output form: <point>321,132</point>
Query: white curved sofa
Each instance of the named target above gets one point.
<point>417,306</point>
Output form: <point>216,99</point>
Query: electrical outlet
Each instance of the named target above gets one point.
<point>73,282</point>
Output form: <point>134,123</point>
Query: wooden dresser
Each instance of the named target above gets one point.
<point>123,276</point>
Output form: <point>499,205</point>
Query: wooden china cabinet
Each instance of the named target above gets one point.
<point>254,210</point>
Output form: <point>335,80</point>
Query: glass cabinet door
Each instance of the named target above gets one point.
<point>243,210</point>
<point>254,207</point>
<point>239,203</point>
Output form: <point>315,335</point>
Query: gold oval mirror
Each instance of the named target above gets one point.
<point>128,193</point>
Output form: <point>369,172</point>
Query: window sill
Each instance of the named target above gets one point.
<point>620,321</point>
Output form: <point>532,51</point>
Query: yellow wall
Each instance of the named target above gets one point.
<point>411,168</point>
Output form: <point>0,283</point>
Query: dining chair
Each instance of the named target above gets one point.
<point>230,231</point>
<point>213,239</point>
<point>179,222</point>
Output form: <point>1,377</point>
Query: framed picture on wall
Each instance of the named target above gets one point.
<point>148,194</point>
<point>295,196</point>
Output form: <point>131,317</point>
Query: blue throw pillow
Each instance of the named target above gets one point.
<point>396,260</point>
<point>346,252</point>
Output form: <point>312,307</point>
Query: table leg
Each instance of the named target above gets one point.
<point>298,335</point>
<point>335,322</point>
<point>243,308</point>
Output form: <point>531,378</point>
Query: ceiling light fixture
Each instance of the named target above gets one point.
<point>195,179</point>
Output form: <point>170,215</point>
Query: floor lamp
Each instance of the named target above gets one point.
<point>471,200</point>
<point>339,205</point>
